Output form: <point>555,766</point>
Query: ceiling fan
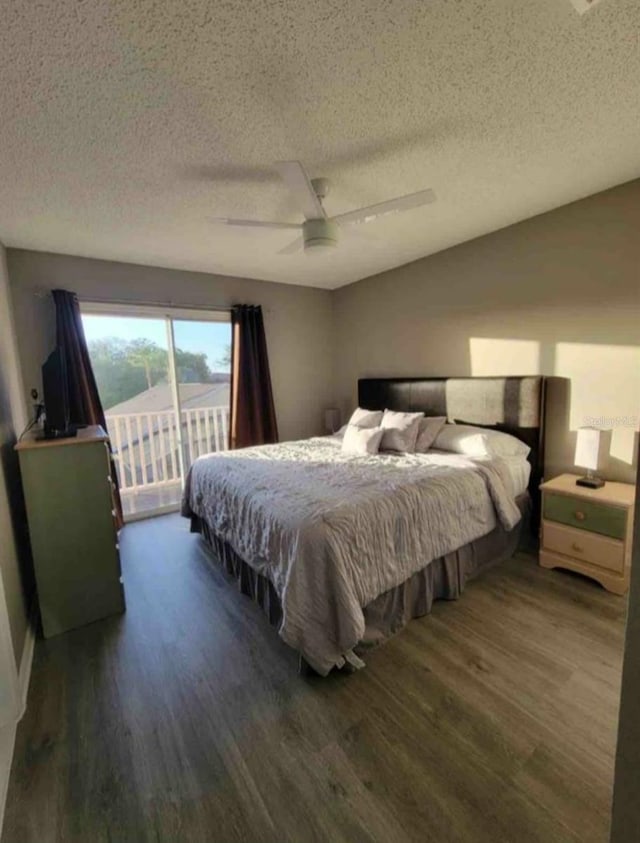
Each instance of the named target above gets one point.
<point>319,231</point>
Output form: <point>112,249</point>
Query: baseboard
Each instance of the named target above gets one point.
<point>7,741</point>
<point>24,673</point>
<point>8,732</point>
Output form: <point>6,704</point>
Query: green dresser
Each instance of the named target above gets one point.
<point>588,530</point>
<point>68,495</point>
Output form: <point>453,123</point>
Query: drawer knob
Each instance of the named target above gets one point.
<point>580,516</point>
<point>577,548</point>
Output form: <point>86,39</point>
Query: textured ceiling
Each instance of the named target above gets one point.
<point>125,126</point>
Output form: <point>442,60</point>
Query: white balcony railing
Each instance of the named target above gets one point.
<point>146,445</point>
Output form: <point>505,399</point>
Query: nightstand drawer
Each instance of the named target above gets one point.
<point>586,515</point>
<point>587,547</point>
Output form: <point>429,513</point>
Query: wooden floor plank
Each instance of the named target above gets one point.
<point>185,719</point>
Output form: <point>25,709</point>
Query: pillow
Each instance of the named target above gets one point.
<point>479,442</point>
<point>366,418</point>
<point>400,431</point>
<point>361,440</point>
<point>428,429</point>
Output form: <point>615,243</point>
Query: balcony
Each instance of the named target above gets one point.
<point>147,452</point>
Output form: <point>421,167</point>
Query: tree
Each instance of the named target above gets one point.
<point>153,360</point>
<point>117,380</point>
<point>125,369</point>
<point>225,361</point>
<point>192,367</point>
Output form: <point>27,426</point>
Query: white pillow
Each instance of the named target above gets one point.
<point>366,418</point>
<point>479,442</point>
<point>361,440</point>
<point>428,429</point>
<point>400,431</point>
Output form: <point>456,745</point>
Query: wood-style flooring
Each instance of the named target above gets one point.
<point>492,719</point>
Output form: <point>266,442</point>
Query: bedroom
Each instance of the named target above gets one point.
<point>131,128</point>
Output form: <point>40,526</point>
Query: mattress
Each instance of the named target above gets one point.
<point>333,531</point>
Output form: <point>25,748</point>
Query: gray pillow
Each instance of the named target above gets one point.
<point>428,429</point>
<point>361,440</point>
<point>366,418</point>
<point>400,431</point>
<point>479,442</point>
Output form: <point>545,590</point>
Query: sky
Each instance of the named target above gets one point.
<point>212,338</point>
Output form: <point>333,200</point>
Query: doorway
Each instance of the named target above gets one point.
<point>163,376</point>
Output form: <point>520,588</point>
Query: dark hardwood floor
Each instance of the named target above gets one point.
<point>493,719</point>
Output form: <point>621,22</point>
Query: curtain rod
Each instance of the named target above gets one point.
<point>139,303</point>
<point>43,292</point>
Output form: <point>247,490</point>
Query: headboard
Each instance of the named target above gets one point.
<point>514,405</point>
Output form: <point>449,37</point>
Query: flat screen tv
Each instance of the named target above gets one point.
<point>56,396</point>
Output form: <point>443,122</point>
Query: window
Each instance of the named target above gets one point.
<point>163,375</point>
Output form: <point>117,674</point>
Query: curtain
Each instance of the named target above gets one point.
<point>84,401</point>
<point>253,416</point>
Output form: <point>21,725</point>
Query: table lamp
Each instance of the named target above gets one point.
<point>587,453</point>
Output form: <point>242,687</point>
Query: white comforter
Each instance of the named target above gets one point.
<point>333,531</point>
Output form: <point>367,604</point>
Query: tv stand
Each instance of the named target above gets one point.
<point>52,435</point>
<point>70,511</point>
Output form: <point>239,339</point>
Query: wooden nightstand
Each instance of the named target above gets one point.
<point>588,530</point>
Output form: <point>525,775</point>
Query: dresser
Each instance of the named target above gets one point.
<point>588,530</point>
<point>69,500</point>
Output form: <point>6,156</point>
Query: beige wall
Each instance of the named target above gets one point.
<point>297,320</point>
<point>558,294</point>
<point>14,561</point>
<point>626,791</point>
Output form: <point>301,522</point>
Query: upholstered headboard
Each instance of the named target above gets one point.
<point>515,405</point>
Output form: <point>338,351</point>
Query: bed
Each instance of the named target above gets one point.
<point>342,551</point>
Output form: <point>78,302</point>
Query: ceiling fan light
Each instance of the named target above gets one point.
<point>319,235</point>
<point>316,247</point>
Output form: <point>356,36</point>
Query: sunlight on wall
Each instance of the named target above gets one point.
<point>605,390</point>
<point>590,384</point>
<point>504,357</point>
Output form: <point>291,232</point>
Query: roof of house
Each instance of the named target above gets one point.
<point>159,398</point>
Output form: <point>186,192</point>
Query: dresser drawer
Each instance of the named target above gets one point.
<point>587,547</point>
<point>586,515</point>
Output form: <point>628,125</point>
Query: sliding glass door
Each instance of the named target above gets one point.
<point>163,378</point>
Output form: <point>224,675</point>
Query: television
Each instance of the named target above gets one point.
<point>56,396</point>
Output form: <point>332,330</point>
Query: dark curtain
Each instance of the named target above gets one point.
<point>84,401</point>
<point>253,416</point>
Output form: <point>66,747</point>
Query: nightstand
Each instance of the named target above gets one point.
<point>588,530</point>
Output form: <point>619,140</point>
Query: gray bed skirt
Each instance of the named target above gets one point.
<point>442,579</point>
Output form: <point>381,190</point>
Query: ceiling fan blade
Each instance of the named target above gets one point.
<point>362,235</point>
<point>292,248</point>
<point>391,206</point>
<point>295,177</point>
<point>290,226</point>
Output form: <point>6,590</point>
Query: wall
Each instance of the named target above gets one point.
<point>297,320</point>
<point>558,294</point>
<point>14,554</point>
<point>626,791</point>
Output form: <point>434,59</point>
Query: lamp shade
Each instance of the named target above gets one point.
<point>331,419</point>
<point>587,448</point>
